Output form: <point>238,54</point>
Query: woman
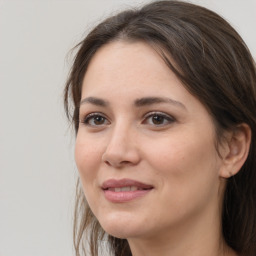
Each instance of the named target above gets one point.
<point>164,111</point>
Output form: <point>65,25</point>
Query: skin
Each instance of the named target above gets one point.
<point>177,155</point>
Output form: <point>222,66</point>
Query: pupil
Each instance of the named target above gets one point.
<point>98,120</point>
<point>157,119</point>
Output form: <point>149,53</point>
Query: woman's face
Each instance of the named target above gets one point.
<point>145,147</point>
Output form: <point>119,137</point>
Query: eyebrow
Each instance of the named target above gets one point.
<point>145,101</point>
<point>154,100</point>
<point>95,101</point>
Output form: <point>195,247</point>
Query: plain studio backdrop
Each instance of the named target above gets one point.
<point>37,169</point>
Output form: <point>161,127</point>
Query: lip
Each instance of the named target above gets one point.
<point>113,183</point>
<point>124,196</point>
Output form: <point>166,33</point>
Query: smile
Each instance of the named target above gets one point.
<point>132,188</point>
<point>120,191</point>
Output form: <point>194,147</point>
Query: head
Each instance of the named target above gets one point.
<point>214,66</point>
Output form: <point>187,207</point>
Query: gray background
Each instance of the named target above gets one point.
<point>37,169</point>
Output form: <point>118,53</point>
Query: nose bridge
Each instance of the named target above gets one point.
<point>121,146</point>
<point>120,138</point>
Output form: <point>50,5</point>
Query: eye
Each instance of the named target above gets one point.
<point>95,119</point>
<point>158,119</point>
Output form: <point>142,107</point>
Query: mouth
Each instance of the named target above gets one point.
<point>124,190</point>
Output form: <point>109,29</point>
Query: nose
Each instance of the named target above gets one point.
<point>122,148</point>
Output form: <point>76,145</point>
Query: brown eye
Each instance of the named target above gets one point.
<point>98,120</point>
<point>158,119</point>
<point>95,119</point>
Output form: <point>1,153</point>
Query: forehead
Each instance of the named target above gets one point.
<point>122,72</point>
<point>127,64</point>
<point>127,56</point>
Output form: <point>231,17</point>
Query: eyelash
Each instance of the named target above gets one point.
<point>92,116</point>
<point>167,119</point>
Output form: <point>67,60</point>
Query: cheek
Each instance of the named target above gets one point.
<point>184,164</point>
<point>88,159</point>
<point>188,176</point>
<point>186,150</point>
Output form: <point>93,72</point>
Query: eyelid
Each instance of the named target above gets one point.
<point>158,113</point>
<point>86,117</point>
<point>168,117</point>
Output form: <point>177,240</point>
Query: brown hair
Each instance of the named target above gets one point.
<point>215,66</point>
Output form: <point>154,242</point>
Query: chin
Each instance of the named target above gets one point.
<point>121,226</point>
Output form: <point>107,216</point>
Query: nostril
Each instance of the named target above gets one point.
<point>125,162</point>
<point>117,157</point>
<point>117,164</point>
<point>107,163</point>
